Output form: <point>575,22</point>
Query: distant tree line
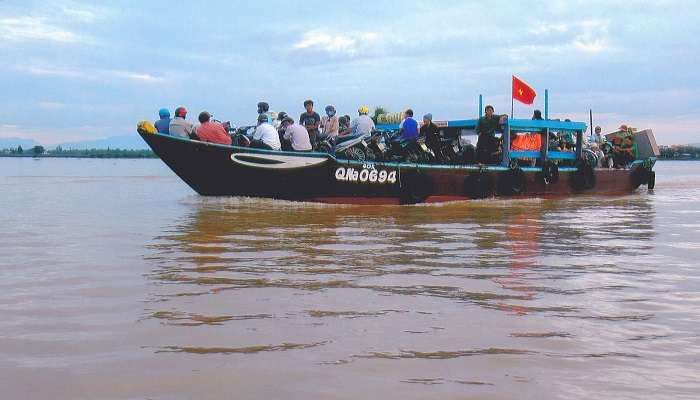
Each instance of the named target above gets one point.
<point>40,151</point>
<point>680,152</point>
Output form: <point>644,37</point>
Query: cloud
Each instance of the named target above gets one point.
<point>336,44</point>
<point>90,74</point>
<point>588,36</point>
<point>34,28</point>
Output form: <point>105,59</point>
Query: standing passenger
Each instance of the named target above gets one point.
<point>163,124</point>
<point>310,120</point>
<point>179,126</point>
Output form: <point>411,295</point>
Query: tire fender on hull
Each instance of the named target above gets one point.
<point>479,185</point>
<point>584,178</point>
<point>513,182</point>
<point>415,186</point>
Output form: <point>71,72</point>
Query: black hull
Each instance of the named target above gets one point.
<point>218,170</point>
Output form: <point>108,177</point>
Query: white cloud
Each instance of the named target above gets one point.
<point>589,36</point>
<point>348,43</point>
<point>90,74</point>
<point>34,28</point>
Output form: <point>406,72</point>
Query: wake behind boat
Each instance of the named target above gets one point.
<point>232,170</point>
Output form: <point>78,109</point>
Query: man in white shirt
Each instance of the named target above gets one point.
<point>296,134</point>
<point>363,124</point>
<point>265,135</point>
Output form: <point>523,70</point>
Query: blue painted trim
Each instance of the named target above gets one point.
<point>515,124</point>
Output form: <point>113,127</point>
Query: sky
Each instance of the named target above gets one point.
<point>72,70</point>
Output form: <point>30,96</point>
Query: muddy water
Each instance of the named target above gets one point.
<point>119,283</point>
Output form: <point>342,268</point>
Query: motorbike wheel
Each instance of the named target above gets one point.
<point>371,155</point>
<point>355,153</point>
<point>412,157</point>
<point>324,148</point>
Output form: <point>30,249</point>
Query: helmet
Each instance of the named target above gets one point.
<point>164,113</point>
<point>263,107</point>
<point>330,111</point>
<point>363,110</point>
<point>181,112</point>
<point>281,115</point>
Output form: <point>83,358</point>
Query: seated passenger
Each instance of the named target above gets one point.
<point>163,124</point>
<point>431,133</point>
<point>211,131</point>
<point>265,136</point>
<point>408,128</point>
<point>344,125</point>
<point>488,146</point>
<point>330,123</point>
<point>600,156</point>
<point>363,124</point>
<point>623,153</point>
<point>537,115</point>
<point>597,137</point>
<point>264,109</point>
<point>179,126</point>
<point>296,134</point>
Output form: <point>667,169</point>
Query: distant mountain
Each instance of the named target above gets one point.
<point>127,142</point>
<point>12,142</point>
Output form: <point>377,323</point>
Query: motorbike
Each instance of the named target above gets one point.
<point>351,147</point>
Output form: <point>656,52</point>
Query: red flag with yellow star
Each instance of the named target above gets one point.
<point>522,91</point>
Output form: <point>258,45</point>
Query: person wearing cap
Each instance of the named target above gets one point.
<point>211,131</point>
<point>431,133</point>
<point>179,126</point>
<point>265,135</point>
<point>363,124</point>
<point>296,134</point>
<point>163,124</point>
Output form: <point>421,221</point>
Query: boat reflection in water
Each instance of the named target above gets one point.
<point>473,293</point>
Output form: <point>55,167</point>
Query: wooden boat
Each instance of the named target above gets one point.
<point>220,170</point>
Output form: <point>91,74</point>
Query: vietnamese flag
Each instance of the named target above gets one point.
<point>522,91</point>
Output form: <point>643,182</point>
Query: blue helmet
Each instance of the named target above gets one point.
<point>164,113</point>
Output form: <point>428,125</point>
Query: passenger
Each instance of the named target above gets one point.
<point>163,124</point>
<point>624,153</point>
<point>264,109</point>
<point>211,131</point>
<point>363,124</point>
<point>330,123</point>
<point>179,126</point>
<point>488,146</point>
<point>431,133</point>
<point>600,156</point>
<point>265,135</point>
<point>344,125</point>
<point>537,115</point>
<point>296,134</point>
<point>408,128</point>
<point>310,120</point>
<point>597,137</point>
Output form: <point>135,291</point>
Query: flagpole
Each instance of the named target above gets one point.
<point>511,98</point>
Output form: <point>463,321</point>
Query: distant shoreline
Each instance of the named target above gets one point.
<point>91,153</point>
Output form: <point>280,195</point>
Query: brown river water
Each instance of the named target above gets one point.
<point>118,282</point>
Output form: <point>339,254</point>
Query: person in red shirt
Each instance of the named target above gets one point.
<point>210,131</point>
